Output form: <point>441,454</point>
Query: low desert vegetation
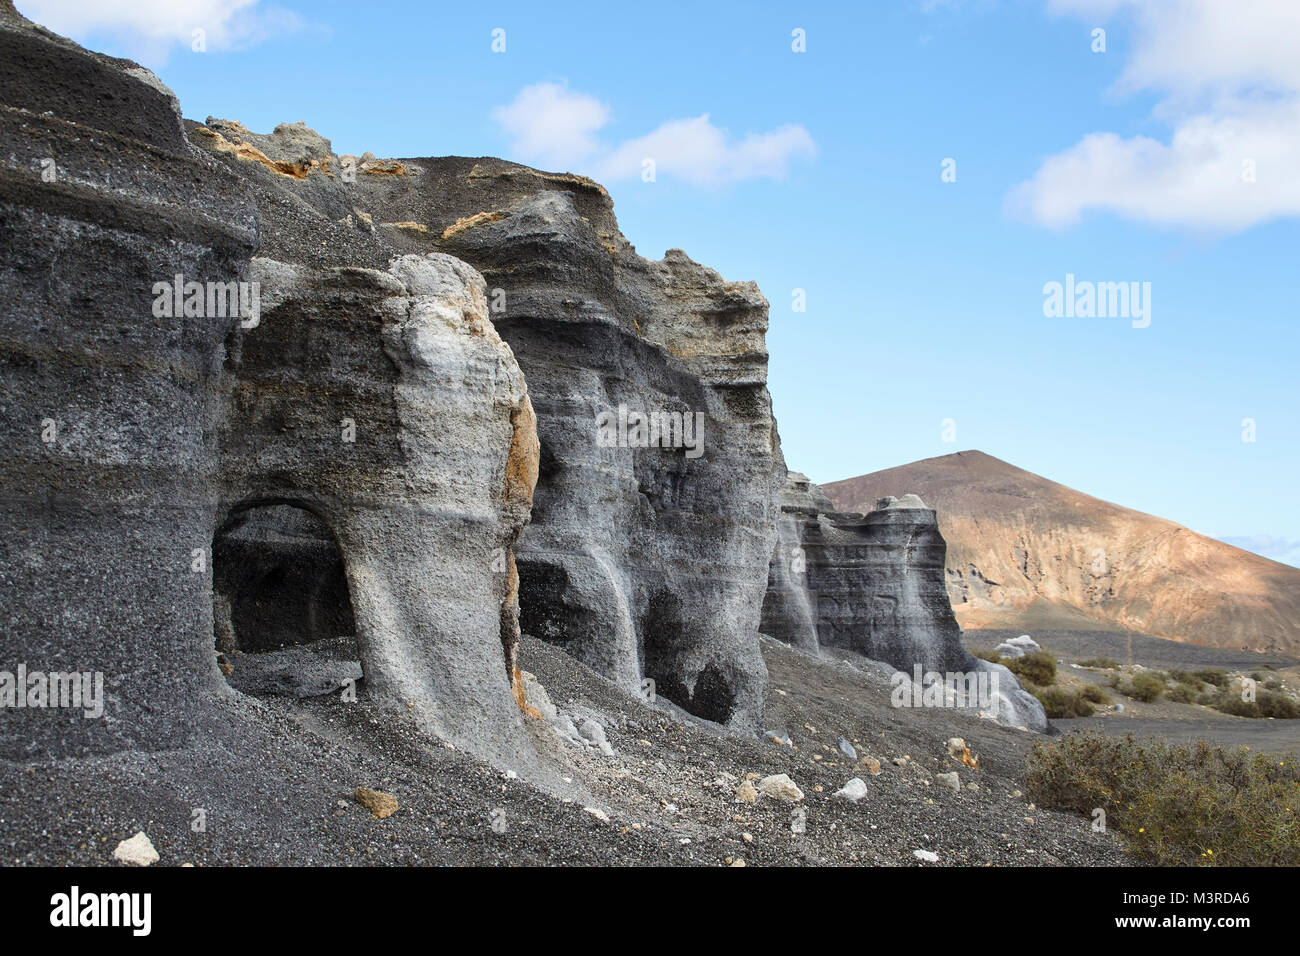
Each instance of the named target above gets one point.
<point>1143,686</point>
<point>1267,703</point>
<point>1037,672</point>
<point>1062,702</point>
<point>1100,663</point>
<point>1094,694</point>
<point>1195,805</point>
<point>1037,667</point>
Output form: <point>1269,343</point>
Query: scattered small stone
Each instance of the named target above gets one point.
<point>853,791</point>
<point>593,732</point>
<point>958,750</point>
<point>380,804</point>
<point>598,813</point>
<point>780,787</point>
<point>949,780</point>
<point>737,862</point>
<point>871,765</point>
<point>746,793</point>
<point>848,749</point>
<point>137,851</point>
<point>926,856</point>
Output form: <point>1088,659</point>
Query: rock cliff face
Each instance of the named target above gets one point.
<point>259,395</point>
<point>874,583</point>
<point>655,510</point>
<point>146,415</point>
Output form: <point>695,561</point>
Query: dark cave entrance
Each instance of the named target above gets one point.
<point>664,646</point>
<point>282,616</point>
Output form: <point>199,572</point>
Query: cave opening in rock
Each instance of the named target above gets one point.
<point>282,616</point>
<point>664,649</point>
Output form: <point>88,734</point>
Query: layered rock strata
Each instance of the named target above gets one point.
<point>874,584</point>
<point>160,383</point>
<point>655,510</point>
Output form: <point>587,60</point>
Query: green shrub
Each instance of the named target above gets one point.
<point>991,656</point>
<point>1266,704</point>
<point>1060,703</point>
<point>1145,687</point>
<point>1216,677</point>
<point>1278,706</point>
<point>1182,694</point>
<point>1230,703</point>
<point>1103,663</point>
<point>1188,678</point>
<point>1094,694</point>
<point>1176,805</point>
<point>1038,667</point>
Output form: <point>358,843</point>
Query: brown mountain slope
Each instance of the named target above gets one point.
<point>1025,552</point>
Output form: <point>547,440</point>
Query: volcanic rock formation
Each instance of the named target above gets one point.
<point>647,553</point>
<point>141,424</point>
<point>259,395</point>
<point>874,583</point>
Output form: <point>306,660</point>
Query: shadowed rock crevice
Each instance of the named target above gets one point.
<point>280,572</point>
<point>282,615</point>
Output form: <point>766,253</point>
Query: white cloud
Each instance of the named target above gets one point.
<point>1229,78</point>
<point>149,30</point>
<point>553,127</point>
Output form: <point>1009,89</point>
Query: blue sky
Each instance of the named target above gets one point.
<point>1171,158</point>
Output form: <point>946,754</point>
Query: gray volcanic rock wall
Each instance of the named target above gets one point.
<point>639,561</point>
<point>874,584</point>
<point>642,562</point>
<point>384,403</point>
<point>106,480</point>
<point>138,431</point>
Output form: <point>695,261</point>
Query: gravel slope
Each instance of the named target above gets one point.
<point>275,777</point>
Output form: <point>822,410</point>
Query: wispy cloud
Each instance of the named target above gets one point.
<point>552,126</point>
<point>150,30</point>
<point>1229,79</point>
